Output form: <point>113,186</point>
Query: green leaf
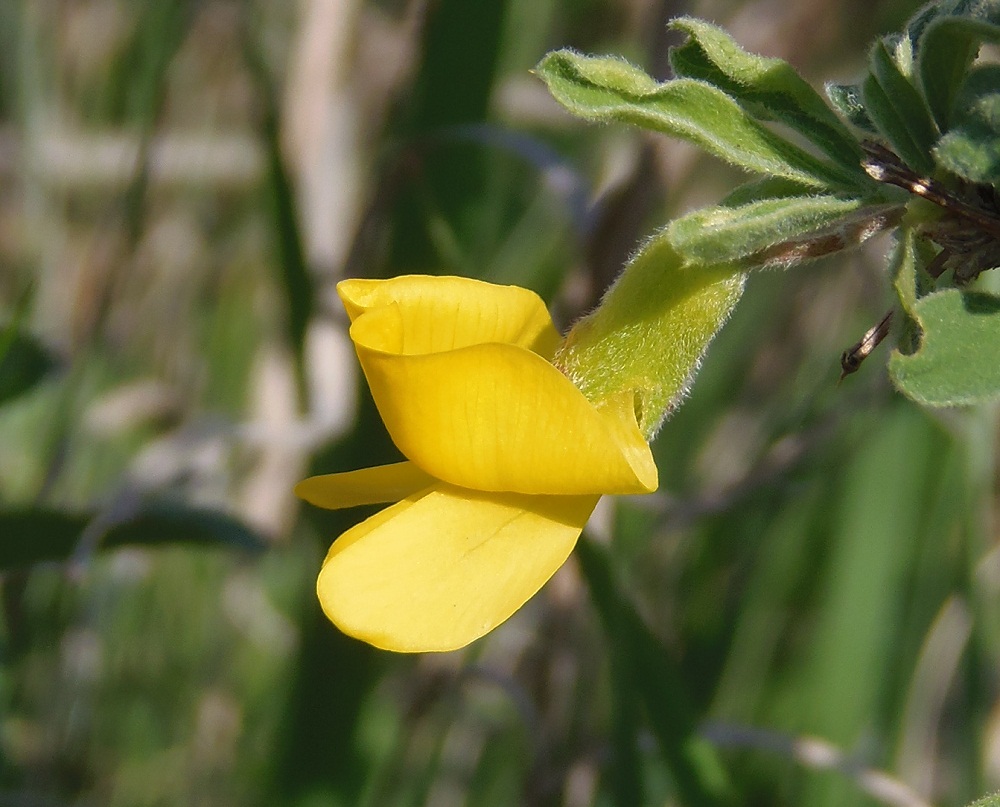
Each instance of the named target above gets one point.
<point>924,16</point>
<point>972,148</point>
<point>890,124</point>
<point>896,107</point>
<point>137,76</point>
<point>162,523</point>
<point>847,100</point>
<point>296,281</point>
<point>768,88</point>
<point>609,89</point>
<point>956,364</point>
<point>23,363</point>
<point>947,48</point>
<point>777,232</point>
<point>765,188</point>
<point>37,535</point>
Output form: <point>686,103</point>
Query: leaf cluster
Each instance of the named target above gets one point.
<point>922,125</point>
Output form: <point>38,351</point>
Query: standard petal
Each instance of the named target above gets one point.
<point>439,570</point>
<point>501,418</point>
<point>384,483</point>
<point>417,314</point>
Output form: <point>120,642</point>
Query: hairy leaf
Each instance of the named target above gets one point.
<point>972,148</point>
<point>762,188</point>
<point>987,801</point>
<point>768,88</point>
<point>609,89</point>
<point>947,48</point>
<point>956,363</point>
<point>781,231</point>
<point>898,110</point>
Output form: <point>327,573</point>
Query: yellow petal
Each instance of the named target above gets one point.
<point>442,568</point>
<point>385,483</point>
<point>500,418</point>
<point>429,313</point>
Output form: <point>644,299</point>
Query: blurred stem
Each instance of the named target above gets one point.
<point>143,77</point>
<point>626,765</point>
<point>643,666</point>
<point>459,58</point>
<point>981,654</point>
<point>294,271</point>
<point>318,750</point>
<point>461,51</point>
<point>161,31</point>
<point>318,754</point>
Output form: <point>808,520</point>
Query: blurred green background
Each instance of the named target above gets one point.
<point>807,613</point>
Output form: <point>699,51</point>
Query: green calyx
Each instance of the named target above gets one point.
<point>650,332</point>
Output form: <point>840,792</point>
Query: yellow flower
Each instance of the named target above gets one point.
<point>506,461</point>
